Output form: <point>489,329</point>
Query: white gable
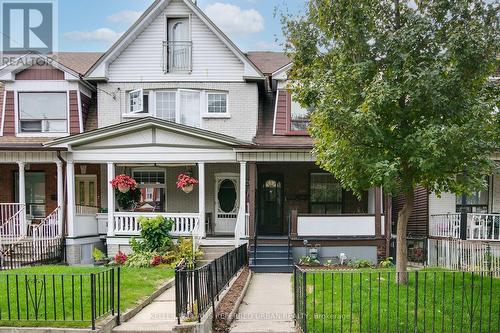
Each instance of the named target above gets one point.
<point>214,58</point>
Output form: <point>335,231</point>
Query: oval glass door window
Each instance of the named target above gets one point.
<point>227,196</point>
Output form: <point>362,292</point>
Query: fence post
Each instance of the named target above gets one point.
<point>304,291</point>
<point>211,290</point>
<point>216,280</point>
<point>92,299</point>
<point>118,299</point>
<point>177,296</point>
<point>415,311</point>
<point>295,294</point>
<point>197,293</point>
<point>113,291</point>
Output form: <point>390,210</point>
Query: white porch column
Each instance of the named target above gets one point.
<point>201,197</point>
<point>111,199</point>
<point>243,198</point>
<point>22,194</point>
<point>60,196</point>
<point>70,209</point>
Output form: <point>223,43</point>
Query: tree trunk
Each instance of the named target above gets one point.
<point>401,248</point>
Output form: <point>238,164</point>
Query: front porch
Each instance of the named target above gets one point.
<point>478,226</point>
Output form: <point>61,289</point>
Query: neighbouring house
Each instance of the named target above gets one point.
<point>455,231</point>
<point>174,96</point>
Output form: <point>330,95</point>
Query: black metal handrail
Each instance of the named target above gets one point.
<point>50,298</point>
<point>197,289</point>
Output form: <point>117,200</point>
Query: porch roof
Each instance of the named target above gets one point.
<point>134,126</point>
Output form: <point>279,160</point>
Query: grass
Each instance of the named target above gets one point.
<point>371,301</point>
<point>60,296</point>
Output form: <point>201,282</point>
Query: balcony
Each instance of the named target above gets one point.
<point>483,227</point>
<point>177,56</point>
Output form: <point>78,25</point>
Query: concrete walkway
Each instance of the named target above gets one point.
<point>158,316</point>
<point>267,305</point>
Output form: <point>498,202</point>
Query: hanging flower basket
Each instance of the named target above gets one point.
<point>186,183</point>
<point>126,191</point>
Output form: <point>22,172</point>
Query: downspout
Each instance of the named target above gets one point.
<point>64,208</point>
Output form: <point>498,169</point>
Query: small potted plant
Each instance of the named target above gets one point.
<point>186,183</point>
<point>99,258</point>
<point>126,191</point>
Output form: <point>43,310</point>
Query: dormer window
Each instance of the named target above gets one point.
<point>43,112</point>
<point>299,117</point>
<point>178,46</point>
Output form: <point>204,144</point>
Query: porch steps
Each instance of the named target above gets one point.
<point>271,258</point>
<point>212,252</point>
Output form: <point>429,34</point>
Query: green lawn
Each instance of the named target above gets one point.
<point>368,301</point>
<point>53,298</point>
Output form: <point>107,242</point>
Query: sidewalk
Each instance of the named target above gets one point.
<point>159,316</point>
<point>267,305</point>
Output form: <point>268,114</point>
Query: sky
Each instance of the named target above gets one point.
<point>93,25</point>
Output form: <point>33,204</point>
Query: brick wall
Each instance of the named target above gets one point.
<point>242,104</point>
<point>7,172</point>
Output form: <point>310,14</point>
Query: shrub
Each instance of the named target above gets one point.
<point>361,263</point>
<point>120,258</point>
<point>155,234</point>
<point>140,259</point>
<point>97,254</point>
<point>386,263</point>
<point>157,260</point>
<point>309,261</point>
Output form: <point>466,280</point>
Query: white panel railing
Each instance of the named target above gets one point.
<point>7,210</point>
<point>483,226</point>
<point>43,233</point>
<point>86,210</point>
<point>445,225</point>
<point>464,255</point>
<point>14,228</point>
<point>127,223</point>
<point>336,225</point>
<point>241,228</point>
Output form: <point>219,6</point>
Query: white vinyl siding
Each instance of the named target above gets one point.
<point>142,59</point>
<point>443,205</point>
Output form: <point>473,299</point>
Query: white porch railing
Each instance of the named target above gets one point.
<point>46,231</point>
<point>484,227</point>
<point>127,223</point>
<point>86,210</point>
<point>241,228</point>
<point>445,225</point>
<point>7,210</point>
<point>14,228</point>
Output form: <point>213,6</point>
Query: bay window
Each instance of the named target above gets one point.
<point>43,112</point>
<point>166,105</point>
<point>189,108</point>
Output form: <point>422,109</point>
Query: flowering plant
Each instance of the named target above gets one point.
<point>157,260</point>
<point>120,258</point>
<point>184,180</point>
<point>123,183</point>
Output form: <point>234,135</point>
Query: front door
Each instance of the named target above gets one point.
<point>86,190</point>
<point>271,204</point>
<point>226,203</point>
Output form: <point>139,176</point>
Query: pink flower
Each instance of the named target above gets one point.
<point>184,180</point>
<point>123,183</point>
<point>120,258</point>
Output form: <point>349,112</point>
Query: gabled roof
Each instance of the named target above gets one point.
<point>80,62</point>
<point>99,70</point>
<point>281,73</point>
<point>144,123</point>
<point>267,61</point>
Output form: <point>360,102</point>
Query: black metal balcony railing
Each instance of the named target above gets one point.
<point>177,56</point>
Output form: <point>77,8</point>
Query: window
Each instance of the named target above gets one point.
<point>35,192</point>
<point>152,185</point>
<point>476,202</point>
<point>299,117</point>
<point>166,105</point>
<point>43,113</point>
<point>138,101</point>
<point>325,194</point>
<point>217,103</point>
<point>189,108</point>
<point>178,45</point>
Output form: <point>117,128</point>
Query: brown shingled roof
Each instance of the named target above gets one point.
<point>268,62</point>
<point>80,62</point>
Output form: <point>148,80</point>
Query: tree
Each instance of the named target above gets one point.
<point>401,92</point>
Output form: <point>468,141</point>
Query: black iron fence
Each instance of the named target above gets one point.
<point>197,289</point>
<point>24,254</point>
<point>54,298</point>
<point>371,301</point>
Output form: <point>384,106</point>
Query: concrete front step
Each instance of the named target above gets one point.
<point>272,268</point>
<point>270,261</point>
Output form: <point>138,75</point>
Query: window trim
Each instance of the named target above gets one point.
<point>289,130</point>
<point>342,201</point>
<point>225,114</point>
<point>163,186</point>
<point>17,114</point>
<point>140,98</point>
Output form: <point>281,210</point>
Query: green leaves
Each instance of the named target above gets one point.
<point>401,97</point>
